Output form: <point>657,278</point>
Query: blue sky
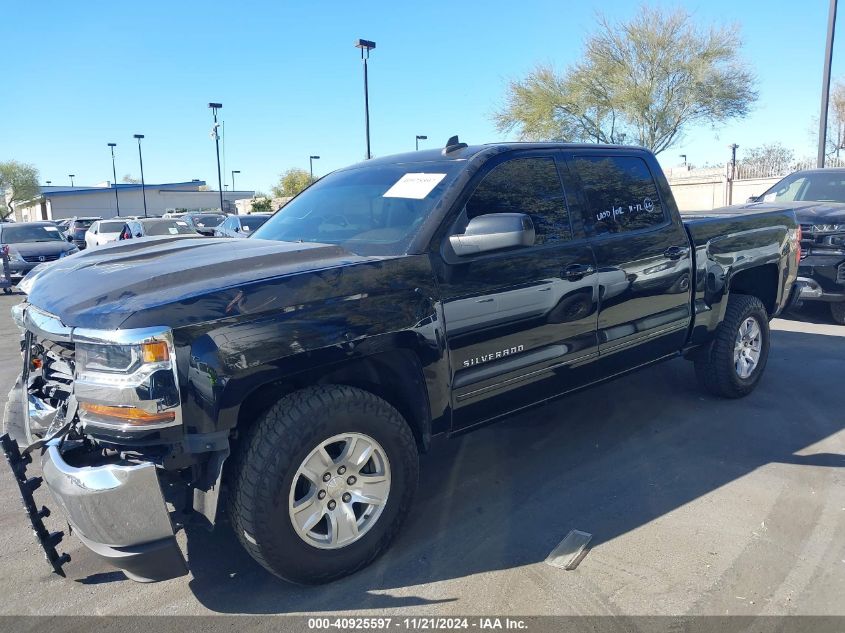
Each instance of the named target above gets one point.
<point>78,75</point>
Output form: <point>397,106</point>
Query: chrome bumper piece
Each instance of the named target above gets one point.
<point>118,512</point>
<point>808,288</point>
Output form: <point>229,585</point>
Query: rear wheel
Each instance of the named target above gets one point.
<point>325,479</point>
<point>736,358</point>
<point>837,312</point>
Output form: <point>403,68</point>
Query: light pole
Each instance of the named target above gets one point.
<point>311,160</point>
<point>684,156</point>
<point>828,56</point>
<point>733,147</point>
<point>234,171</point>
<point>71,178</point>
<point>143,184</point>
<point>366,46</point>
<point>49,182</point>
<point>420,137</point>
<point>214,108</point>
<point>114,175</point>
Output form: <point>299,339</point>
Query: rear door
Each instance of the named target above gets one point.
<point>643,258</point>
<point>91,235</point>
<point>520,323</point>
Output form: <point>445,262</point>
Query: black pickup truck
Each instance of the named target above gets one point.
<point>303,370</point>
<point>818,198</point>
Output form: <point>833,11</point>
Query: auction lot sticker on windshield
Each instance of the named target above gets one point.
<point>51,228</point>
<point>415,186</point>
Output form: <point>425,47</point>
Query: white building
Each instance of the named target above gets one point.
<point>58,203</point>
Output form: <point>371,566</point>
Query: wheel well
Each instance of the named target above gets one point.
<point>760,282</point>
<point>395,376</point>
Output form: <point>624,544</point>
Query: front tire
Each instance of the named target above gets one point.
<point>325,479</point>
<point>837,312</point>
<point>734,363</point>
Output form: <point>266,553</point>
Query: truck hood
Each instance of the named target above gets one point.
<point>805,212</point>
<point>102,287</point>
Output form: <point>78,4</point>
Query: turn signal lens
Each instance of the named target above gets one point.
<point>127,415</point>
<point>155,352</point>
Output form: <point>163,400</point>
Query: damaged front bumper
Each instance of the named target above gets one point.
<point>118,512</point>
<point>116,508</point>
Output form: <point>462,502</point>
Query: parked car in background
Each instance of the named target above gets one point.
<point>63,224</point>
<point>241,225</point>
<point>154,226</point>
<point>76,231</point>
<point>204,223</point>
<point>818,197</point>
<point>103,232</point>
<point>32,243</point>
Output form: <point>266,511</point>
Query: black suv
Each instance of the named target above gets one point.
<point>76,231</point>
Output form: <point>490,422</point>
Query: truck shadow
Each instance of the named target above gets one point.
<point>810,312</point>
<point>607,461</point>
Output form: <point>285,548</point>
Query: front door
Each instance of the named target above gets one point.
<point>519,324</point>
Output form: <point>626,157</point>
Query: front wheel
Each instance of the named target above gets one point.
<point>736,358</point>
<point>837,312</point>
<point>324,481</point>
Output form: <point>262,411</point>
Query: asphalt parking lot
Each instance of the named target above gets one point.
<point>696,506</point>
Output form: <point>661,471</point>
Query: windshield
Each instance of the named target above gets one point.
<point>250,223</point>
<point>111,227</point>
<point>808,187</point>
<point>206,221</point>
<point>23,234</point>
<point>370,210</point>
<point>83,224</point>
<point>176,227</point>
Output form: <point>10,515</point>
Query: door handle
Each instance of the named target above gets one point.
<point>675,252</point>
<point>574,272</point>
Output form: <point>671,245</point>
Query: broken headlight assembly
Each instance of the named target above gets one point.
<point>128,383</point>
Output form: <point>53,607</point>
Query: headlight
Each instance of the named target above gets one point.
<point>125,386</point>
<point>15,257</point>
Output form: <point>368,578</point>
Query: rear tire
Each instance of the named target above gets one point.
<point>281,447</point>
<point>732,366</point>
<point>837,312</point>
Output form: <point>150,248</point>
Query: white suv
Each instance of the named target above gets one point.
<point>103,232</point>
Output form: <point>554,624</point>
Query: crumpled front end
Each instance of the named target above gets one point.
<point>77,385</point>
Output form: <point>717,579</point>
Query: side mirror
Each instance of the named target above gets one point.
<point>493,232</point>
<point>138,235</point>
<point>753,199</point>
<point>237,229</point>
<point>70,238</point>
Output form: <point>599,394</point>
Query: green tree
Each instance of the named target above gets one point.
<point>770,159</point>
<point>261,205</point>
<point>18,183</point>
<point>643,81</point>
<point>292,182</point>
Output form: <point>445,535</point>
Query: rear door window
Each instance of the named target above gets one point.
<point>621,194</point>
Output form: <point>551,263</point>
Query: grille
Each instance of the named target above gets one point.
<point>40,258</point>
<point>51,367</point>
